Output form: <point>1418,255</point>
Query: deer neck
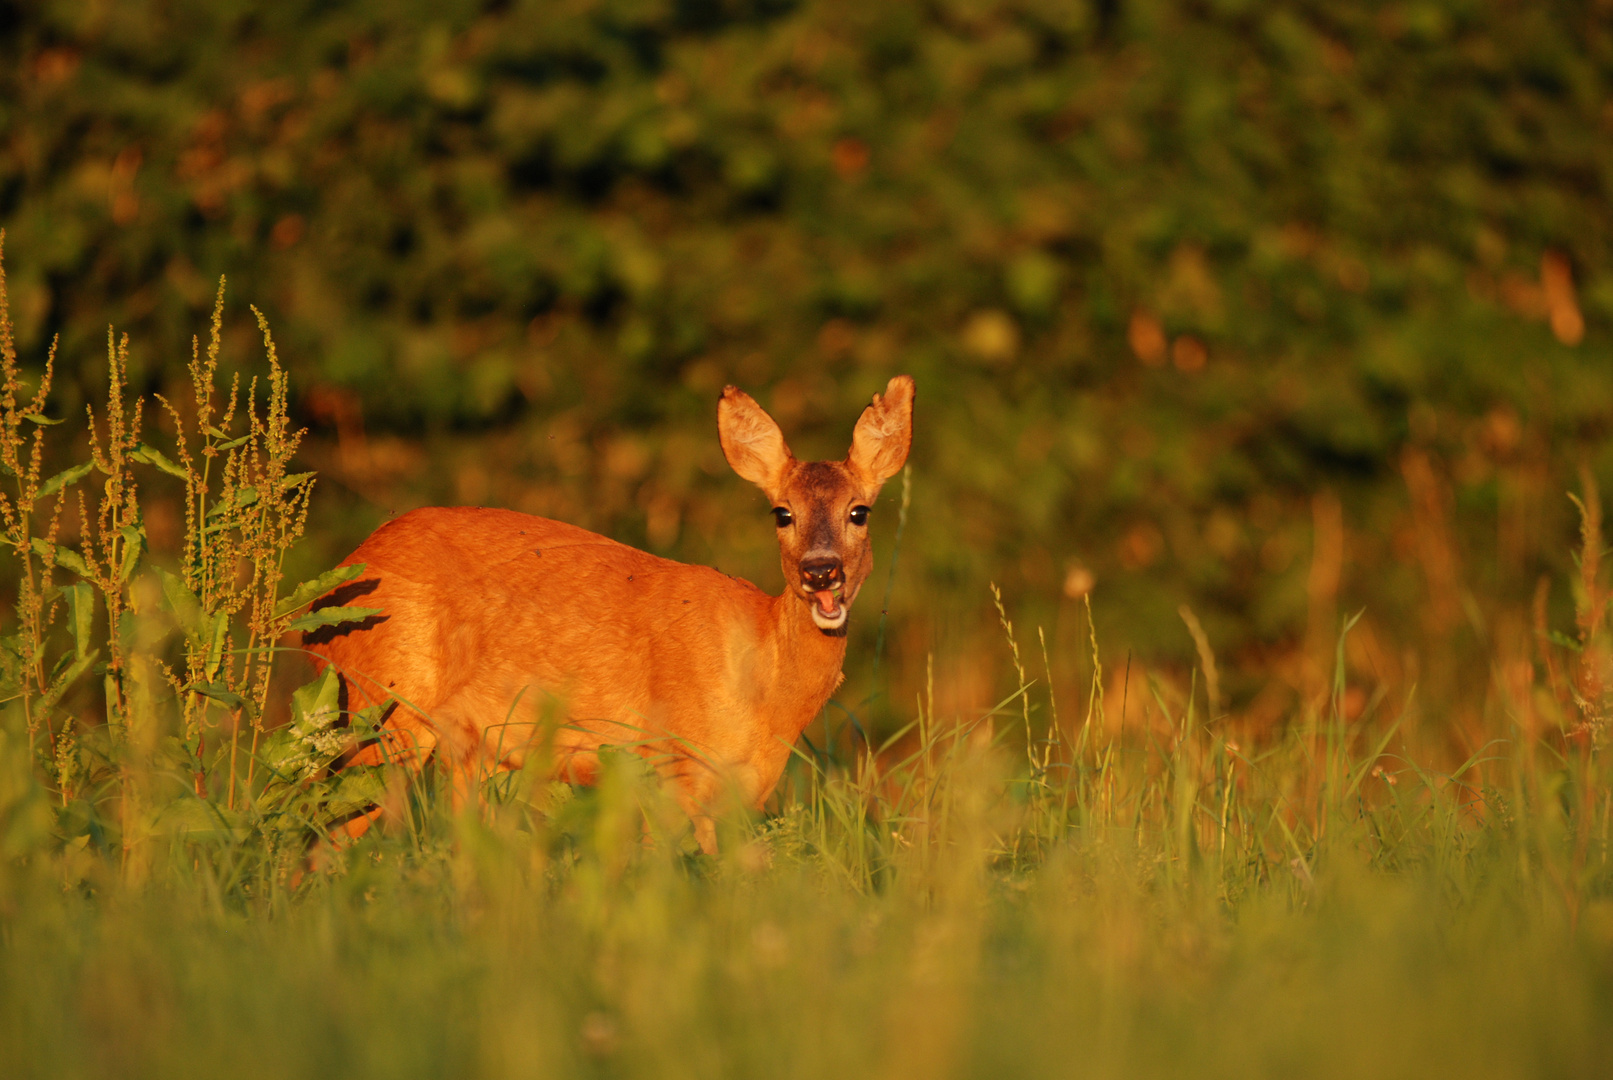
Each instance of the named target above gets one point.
<point>809,663</point>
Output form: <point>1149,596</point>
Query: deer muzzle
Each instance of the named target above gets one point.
<point>823,581</point>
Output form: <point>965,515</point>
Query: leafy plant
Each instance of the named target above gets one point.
<point>244,512</point>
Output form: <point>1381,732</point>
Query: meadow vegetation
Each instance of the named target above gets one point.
<point>1030,890</point>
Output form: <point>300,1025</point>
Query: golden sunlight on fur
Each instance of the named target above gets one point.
<point>502,635</point>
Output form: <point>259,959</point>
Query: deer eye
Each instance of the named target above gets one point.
<point>859,515</point>
<point>783,516</point>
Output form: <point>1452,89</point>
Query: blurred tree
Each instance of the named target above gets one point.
<point>1163,268</point>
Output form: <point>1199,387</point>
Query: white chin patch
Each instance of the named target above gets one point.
<point>829,622</point>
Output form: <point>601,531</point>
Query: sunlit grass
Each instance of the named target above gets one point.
<point>933,921</point>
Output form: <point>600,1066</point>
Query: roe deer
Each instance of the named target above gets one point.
<point>490,618</point>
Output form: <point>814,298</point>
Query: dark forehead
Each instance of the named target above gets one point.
<point>820,480</point>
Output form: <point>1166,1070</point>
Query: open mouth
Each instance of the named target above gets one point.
<point>828,608</point>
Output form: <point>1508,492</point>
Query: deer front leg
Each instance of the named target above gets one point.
<point>746,785</point>
<point>705,833</point>
<point>696,786</point>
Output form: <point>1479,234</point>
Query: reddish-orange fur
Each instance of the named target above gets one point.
<point>501,632</point>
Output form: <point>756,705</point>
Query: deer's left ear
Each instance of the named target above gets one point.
<point>884,433</point>
<point>751,441</point>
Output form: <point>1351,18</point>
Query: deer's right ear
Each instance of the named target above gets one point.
<point>751,441</point>
<point>884,433</point>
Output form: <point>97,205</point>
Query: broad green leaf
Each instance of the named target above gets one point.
<point>60,666</point>
<point>39,418</point>
<point>280,752</point>
<point>186,608</point>
<point>64,478</point>
<point>1557,637</point>
<point>315,705</point>
<point>366,723</point>
<point>177,751</point>
<point>215,644</point>
<point>243,497</point>
<point>196,817</point>
<point>354,790</point>
<point>128,632</point>
<point>61,556</point>
<point>313,589</point>
<point>134,542</point>
<point>198,625</point>
<point>295,479</point>
<point>331,616</point>
<point>312,740</point>
<point>150,455</point>
<point>66,679</point>
<point>220,694</point>
<point>81,616</point>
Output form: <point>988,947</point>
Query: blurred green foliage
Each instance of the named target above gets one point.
<point>1163,268</point>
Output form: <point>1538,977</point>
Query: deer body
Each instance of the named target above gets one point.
<point>501,632</point>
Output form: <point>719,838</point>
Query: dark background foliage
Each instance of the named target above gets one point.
<point>1277,309</point>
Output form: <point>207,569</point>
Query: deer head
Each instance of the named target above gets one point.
<point>821,507</point>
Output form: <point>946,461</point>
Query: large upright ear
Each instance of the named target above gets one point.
<point>751,441</point>
<point>884,433</point>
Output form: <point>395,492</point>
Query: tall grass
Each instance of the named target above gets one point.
<point>1032,891</point>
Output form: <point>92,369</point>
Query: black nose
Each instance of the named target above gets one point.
<point>817,574</point>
